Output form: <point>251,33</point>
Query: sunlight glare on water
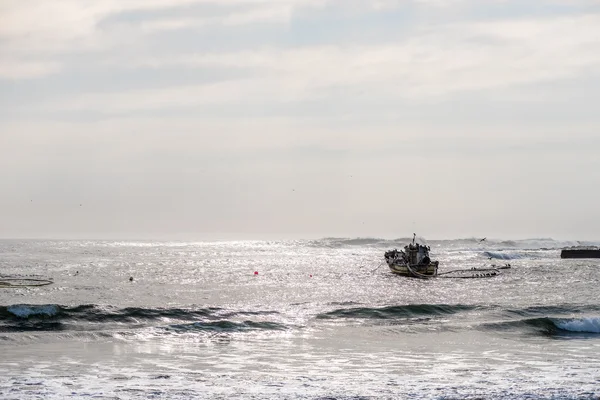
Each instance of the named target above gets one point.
<point>321,318</point>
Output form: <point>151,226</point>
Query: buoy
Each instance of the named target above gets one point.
<point>255,272</point>
<point>131,279</point>
<point>310,275</point>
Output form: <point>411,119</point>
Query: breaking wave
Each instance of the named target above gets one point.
<point>533,311</point>
<point>589,325</point>
<point>25,311</point>
<point>503,256</point>
<point>546,320</point>
<point>550,326</point>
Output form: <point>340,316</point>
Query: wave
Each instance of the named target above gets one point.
<point>392,312</point>
<point>53,317</point>
<point>533,311</point>
<point>470,244</point>
<point>550,326</point>
<point>584,325</point>
<point>353,242</point>
<point>558,320</point>
<point>95,313</point>
<point>504,256</point>
<point>25,311</point>
<point>227,326</point>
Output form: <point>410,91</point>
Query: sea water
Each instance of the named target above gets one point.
<point>296,320</point>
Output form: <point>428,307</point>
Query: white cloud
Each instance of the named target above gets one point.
<point>17,69</point>
<point>417,95</point>
<point>423,67</point>
<point>433,59</point>
<point>280,14</point>
<point>40,32</point>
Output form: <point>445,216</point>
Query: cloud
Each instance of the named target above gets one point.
<point>15,69</point>
<point>43,26</point>
<point>206,113</point>
<point>39,32</point>
<point>432,57</point>
<point>429,65</point>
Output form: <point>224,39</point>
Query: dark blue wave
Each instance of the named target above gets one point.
<point>52,317</point>
<point>549,326</point>
<point>227,326</point>
<point>392,312</point>
<point>556,310</point>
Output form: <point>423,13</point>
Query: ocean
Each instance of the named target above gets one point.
<point>304,319</point>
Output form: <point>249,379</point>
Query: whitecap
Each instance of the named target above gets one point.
<point>503,256</point>
<point>591,324</point>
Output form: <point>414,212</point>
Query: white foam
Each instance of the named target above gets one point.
<point>24,310</point>
<point>591,325</point>
<point>503,256</point>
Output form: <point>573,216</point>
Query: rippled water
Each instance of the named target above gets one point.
<point>296,319</point>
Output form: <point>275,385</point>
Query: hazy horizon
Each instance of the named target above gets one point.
<point>207,238</point>
<point>299,119</point>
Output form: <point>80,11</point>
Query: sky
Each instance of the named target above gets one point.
<point>267,119</point>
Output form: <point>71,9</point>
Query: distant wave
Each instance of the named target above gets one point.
<point>391,312</point>
<point>350,242</point>
<point>472,244</point>
<point>504,256</point>
<point>52,317</point>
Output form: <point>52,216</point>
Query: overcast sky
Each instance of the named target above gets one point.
<point>251,119</point>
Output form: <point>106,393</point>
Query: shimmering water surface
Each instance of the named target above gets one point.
<point>321,319</point>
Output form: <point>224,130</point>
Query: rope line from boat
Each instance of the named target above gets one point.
<point>417,274</point>
<point>13,283</point>
<point>475,273</point>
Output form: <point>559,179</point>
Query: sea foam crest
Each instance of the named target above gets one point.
<point>25,311</point>
<point>591,325</point>
<point>503,256</point>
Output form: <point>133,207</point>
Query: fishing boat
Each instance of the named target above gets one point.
<point>413,261</point>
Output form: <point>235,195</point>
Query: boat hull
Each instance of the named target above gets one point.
<point>430,269</point>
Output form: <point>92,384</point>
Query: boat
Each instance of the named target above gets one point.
<point>413,261</point>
